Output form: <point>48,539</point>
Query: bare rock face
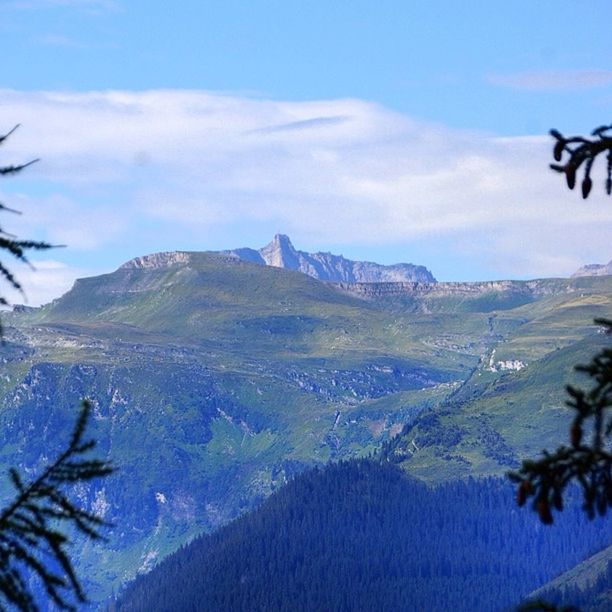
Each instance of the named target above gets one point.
<point>157,260</point>
<point>594,270</point>
<point>280,253</point>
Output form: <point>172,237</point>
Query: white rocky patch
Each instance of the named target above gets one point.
<point>100,505</point>
<point>148,560</point>
<point>504,366</point>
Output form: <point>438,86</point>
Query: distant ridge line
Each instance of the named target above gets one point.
<point>281,253</point>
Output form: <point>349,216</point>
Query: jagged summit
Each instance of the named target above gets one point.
<point>594,270</point>
<point>281,253</point>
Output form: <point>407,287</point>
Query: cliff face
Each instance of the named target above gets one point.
<point>157,260</point>
<point>486,296</point>
<point>536,288</point>
<point>280,253</point>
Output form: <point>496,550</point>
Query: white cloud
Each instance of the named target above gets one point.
<point>139,168</point>
<point>546,80</point>
<point>44,281</point>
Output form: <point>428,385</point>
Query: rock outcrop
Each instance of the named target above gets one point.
<point>157,260</point>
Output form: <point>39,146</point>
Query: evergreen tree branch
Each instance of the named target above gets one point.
<point>580,150</point>
<point>30,525</point>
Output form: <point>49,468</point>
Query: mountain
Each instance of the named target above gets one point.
<point>280,253</point>
<point>363,536</point>
<point>594,270</point>
<point>214,381</point>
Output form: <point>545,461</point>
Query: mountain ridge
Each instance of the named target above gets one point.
<point>281,253</point>
<point>594,270</point>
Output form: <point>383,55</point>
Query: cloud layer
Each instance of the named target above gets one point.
<point>134,172</point>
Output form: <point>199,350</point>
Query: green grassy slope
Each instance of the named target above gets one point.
<point>212,383</point>
<point>500,415</point>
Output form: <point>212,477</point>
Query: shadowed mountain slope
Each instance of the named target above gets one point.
<point>588,585</point>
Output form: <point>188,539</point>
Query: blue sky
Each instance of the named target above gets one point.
<point>391,131</point>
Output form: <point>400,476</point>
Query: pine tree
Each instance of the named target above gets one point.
<point>32,525</point>
<point>589,463</point>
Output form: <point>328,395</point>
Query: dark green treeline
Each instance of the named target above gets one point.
<point>363,536</point>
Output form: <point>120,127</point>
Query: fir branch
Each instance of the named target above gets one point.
<point>30,525</point>
<point>10,243</point>
<point>580,150</point>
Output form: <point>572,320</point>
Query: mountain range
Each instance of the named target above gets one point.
<point>215,380</point>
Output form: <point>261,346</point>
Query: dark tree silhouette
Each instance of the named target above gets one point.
<point>581,150</point>
<point>589,463</point>
<point>33,540</point>
<point>9,243</point>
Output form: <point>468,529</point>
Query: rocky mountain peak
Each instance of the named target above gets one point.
<point>282,241</point>
<point>594,270</point>
<point>281,253</point>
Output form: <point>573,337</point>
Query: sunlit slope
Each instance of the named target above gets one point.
<point>217,301</point>
<point>513,404</point>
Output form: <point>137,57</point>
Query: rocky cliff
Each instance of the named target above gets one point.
<point>594,270</point>
<point>280,253</point>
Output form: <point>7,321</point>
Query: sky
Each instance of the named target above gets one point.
<point>390,131</point>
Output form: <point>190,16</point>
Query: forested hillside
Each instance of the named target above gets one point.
<point>360,535</point>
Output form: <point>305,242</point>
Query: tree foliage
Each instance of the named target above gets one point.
<point>362,535</point>
<point>9,243</point>
<point>588,462</point>
<point>579,150</point>
<point>33,526</point>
